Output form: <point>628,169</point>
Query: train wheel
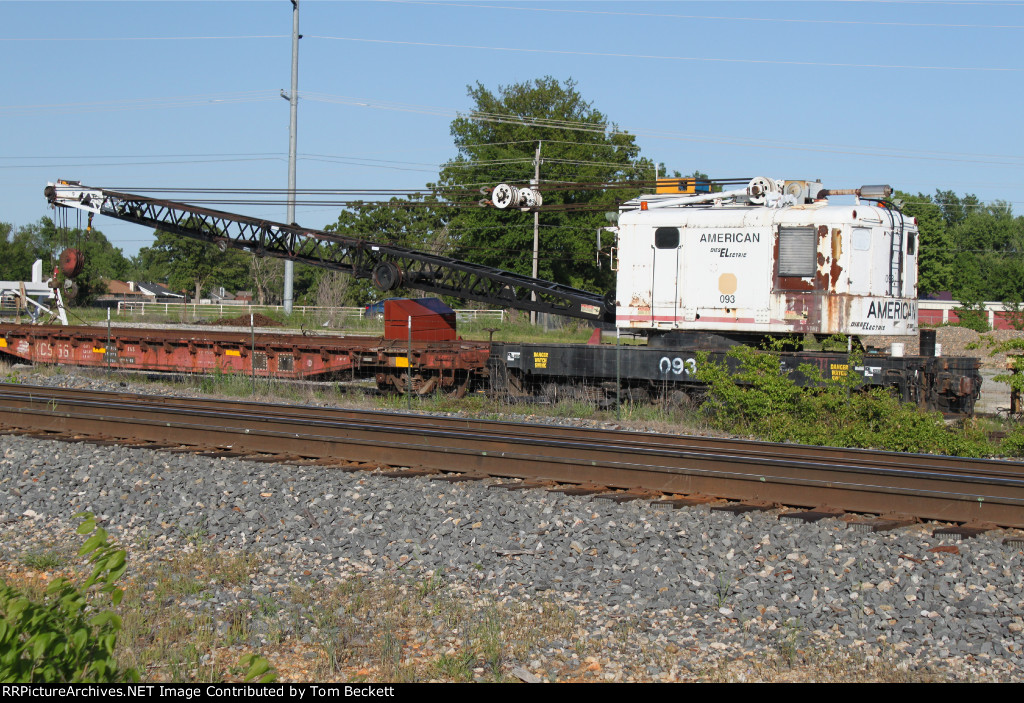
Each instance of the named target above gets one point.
<point>679,399</point>
<point>427,386</point>
<point>636,395</point>
<point>461,385</point>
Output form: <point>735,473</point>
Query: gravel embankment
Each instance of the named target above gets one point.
<point>683,591</point>
<point>649,593</point>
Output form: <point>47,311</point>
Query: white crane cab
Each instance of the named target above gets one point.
<point>773,258</point>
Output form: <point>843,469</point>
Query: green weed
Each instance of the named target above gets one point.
<point>42,560</point>
<point>457,667</point>
<point>749,394</point>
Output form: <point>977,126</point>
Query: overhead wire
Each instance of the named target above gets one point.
<point>754,142</point>
<point>568,125</point>
<point>533,9</point>
<point>147,103</point>
<point>695,59</point>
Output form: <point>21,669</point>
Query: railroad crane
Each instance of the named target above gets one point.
<point>696,271</point>
<point>771,258</point>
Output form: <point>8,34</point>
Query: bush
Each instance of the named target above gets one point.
<point>64,639</point>
<point>1013,443</point>
<point>750,395</point>
<point>973,317</point>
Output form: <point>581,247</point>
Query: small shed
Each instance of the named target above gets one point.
<point>432,320</point>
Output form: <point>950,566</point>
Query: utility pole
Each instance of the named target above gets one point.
<point>293,99</point>
<point>535,183</point>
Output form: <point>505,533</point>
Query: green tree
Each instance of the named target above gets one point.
<point>580,151</point>
<point>20,248</point>
<point>972,249</point>
<point>989,247</point>
<point>305,284</point>
<point>935,255</point>
<point>184,263</point>
<point>417,222</point>
<point>45,240</point>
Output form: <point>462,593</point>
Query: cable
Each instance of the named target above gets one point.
<point>147,103</point>
<point>105,39</point>
<point>754,142</point>
<point>145,163</point>
<point>534,9</point>
<point>697,59</point>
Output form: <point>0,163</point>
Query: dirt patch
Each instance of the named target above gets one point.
<point>244,321</point>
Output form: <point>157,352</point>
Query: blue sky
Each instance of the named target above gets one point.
<point>920,95</point>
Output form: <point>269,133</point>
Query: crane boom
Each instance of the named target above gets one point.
<point>387,265</point>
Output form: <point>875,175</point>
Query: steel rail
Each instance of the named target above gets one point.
<point>610,438</point>
<point>778,474</point>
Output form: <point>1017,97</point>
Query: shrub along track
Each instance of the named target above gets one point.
<point>619,465</point>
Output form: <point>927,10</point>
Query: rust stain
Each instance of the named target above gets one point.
<point>837,314</point>
<point>802,311</point>
<point>837,252</point>
<point>642,306</point>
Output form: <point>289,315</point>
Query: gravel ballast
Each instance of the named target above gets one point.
<point>654,594</point>
<point>688,589</point>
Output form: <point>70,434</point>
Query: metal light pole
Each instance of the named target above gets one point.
<point>536,229</point>
<point>293,99</point>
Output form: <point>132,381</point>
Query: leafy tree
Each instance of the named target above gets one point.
<point>497,142</point>
<point>579,151</point>
<point>20,248</point>
<point>418,223</point>
<point>184,263</point>
<point>974,250</point>
<point>935,256</point>
<point>45,240</point>
<point>305,283</point>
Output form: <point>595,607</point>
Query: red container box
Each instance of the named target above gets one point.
<point>432,320</point>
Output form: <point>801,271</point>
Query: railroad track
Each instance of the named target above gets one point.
<point>623,465</point>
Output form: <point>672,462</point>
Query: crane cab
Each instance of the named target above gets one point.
<point>748,262</point>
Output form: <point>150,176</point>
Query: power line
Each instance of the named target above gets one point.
<point>697,59</point>
<point>118,39</point>
<point>146,103</point>
<point>755,142</point>
<point>533,10</point>
<point>143,163</point>
<point>568,125</point>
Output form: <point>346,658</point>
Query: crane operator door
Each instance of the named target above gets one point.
<point>665,270</point>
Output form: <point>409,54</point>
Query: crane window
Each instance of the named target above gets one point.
<point>797,251</point>
<point>861,239</point>
<point>911,243</point>
<point>666,238</point>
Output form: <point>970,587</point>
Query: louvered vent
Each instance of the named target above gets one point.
<point>797,251</point>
